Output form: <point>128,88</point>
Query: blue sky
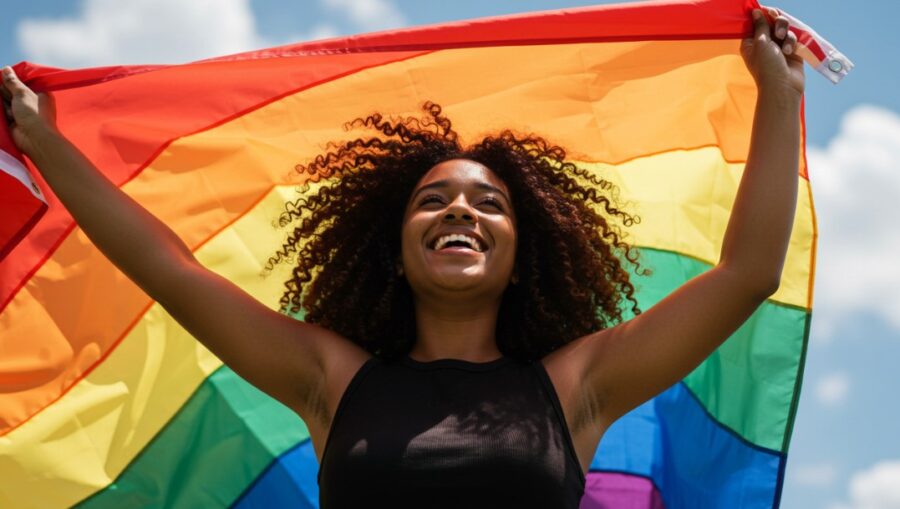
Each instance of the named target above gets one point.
<point>845,452</point>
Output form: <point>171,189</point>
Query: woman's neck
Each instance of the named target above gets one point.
<point>446,331</point>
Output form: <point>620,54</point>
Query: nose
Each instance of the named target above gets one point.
<point>459,210</point>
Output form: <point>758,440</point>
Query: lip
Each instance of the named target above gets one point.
<point>431,242</point>
<point>455,251</point>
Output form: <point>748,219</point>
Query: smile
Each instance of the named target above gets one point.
<point>458,242</point>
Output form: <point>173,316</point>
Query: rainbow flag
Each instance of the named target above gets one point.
<point>106,402</point>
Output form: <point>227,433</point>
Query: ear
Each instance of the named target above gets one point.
<point>515,276</point>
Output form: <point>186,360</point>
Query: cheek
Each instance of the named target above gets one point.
<point>505,243</point>
<point>506,233</point>
<point>411,233</point>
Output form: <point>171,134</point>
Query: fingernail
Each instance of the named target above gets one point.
<point>756,13</point>
<point>781,33</point>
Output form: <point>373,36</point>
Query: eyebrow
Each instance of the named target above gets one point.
<point>480,185</point>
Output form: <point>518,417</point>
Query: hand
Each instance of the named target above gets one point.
<point>772,60</point>
<point>29,115</point>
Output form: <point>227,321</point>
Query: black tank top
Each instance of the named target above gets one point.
<point>450,433</point>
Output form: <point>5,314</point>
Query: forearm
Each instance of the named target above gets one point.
<point>759,229</point>
<point>140,245</point>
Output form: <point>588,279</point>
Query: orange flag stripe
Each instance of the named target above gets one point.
<point>545,89</point>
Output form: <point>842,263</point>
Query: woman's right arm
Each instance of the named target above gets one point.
<point>288,359</point>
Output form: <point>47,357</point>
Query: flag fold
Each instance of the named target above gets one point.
<point>105,401</point>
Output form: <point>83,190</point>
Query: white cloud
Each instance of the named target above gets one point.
<point>817,474</point>
<point>832,389</point>
<point>856,188</point>
<point>369,14</point>
<point>109,32</point>
<point>320,31</point>
<point>141,31</point>
<point>875,488</point>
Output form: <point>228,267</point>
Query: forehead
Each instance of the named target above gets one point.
<point>462,172</point>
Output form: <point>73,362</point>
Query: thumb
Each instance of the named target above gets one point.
<point>746,48</point>
<point>12,82</point>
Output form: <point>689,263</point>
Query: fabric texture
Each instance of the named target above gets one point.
<point>105,401</point>
<point>479,434</point>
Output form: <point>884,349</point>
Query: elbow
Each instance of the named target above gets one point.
<point>759,289</point>
<point>767,287</point>
<point>761,285</point>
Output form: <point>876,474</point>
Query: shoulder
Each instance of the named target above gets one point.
<point>340,361</point>
<point>568,367</point>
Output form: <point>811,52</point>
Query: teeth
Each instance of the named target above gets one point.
<point>471,241</point>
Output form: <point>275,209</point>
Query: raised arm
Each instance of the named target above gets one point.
<point>619,368</point>
<point>285,358</point>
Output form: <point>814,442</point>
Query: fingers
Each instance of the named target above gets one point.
<point>784,36</point>
<point>778,33</point>
<point>790,44</point>
<point>781,27</point>
<point>7,95</point>
<point>7,107</point>
<point>12,83</point>
<point>760,27</point>
<point>760,33</point>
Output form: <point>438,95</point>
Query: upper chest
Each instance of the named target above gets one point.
<point>449,427</point>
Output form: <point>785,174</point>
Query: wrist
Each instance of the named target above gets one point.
<point>779,92</point>
<point>42,136</point>
<point>38,126</point>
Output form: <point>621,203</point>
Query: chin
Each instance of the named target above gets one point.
<point>458,281</point>
<point>471,281</point>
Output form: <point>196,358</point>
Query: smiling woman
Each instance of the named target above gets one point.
<point>390,198</point>
<point>467,335</point>
<point>458,268</point>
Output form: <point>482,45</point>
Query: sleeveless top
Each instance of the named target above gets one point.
<point>450,433</point>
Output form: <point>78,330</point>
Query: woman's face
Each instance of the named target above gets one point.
<point>457,198</point>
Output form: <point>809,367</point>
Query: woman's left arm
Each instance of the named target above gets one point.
<point>623,366</point>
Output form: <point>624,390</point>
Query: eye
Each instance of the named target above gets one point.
<point>431,198</point>
<point>493,202</point>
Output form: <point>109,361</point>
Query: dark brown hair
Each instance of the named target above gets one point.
<point>345,241</point>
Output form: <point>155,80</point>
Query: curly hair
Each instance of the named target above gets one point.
<point>345,240</point>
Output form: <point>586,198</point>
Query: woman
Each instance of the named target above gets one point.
<point>496,379</point>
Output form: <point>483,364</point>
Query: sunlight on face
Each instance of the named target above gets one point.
<point>463,198</point>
